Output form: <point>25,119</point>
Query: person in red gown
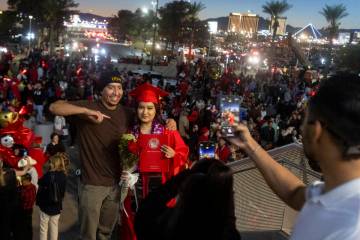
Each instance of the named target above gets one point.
<point>175,151</point>
<point>223,151</point>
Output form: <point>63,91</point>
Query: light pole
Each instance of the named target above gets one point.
<point>30,35</point>
<point>212,26</point>
<point>308,55</point>
<point>154,36</point>
<point>209,47</point>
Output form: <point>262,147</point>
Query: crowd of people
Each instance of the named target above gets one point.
<point>95,103</point>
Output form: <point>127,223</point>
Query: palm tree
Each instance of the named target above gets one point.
<point>49,14</point>
<point>333,14</point>
<point>55,12</point>
<point>173,20</point>
<point>275,8</point>
<point>192,17</point>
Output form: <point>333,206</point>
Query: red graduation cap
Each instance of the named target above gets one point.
<point>148,93</point>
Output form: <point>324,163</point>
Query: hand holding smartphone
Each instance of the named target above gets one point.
<point>230,114</point>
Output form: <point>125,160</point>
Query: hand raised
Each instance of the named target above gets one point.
<point>171,124</point>
<point>243,136</point>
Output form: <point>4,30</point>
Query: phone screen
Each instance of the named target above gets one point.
<point>230,114</point>
<point>207,150</point>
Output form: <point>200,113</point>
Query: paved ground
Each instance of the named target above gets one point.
<point>167,71</point>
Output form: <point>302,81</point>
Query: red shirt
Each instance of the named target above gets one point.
<point>203,138</point>
<point>28,196</point>
<point>193,117</point>
<point>223,153</point>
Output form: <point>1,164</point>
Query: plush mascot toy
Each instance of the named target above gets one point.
<point>18,142</point>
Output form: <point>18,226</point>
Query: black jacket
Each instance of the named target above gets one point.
<point>43,196</point>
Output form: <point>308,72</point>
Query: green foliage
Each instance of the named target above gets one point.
<point>348,58</point>
<point>231,39</point>
<point>49,14</point>
<point>46,12</point>
<point>8,25</point>
<point>127,25</point>
<point>179,23</point>
<point>172,21</point>
<point>121,25</point>
<point>129,160</point>
<point>333,14</point>
<point>275,9</point>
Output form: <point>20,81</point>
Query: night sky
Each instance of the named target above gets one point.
<point>302,12</point>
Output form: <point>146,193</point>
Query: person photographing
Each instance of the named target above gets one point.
<point>329,209</point>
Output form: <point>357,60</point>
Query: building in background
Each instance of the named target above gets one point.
<point>244,23</point>
<point>84,27</point>
<point>281,30</point>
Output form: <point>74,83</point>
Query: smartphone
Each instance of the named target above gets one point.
<point>230,114</point>
<point>206,150</point>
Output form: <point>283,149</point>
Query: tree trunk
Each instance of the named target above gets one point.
<point>276,24</point>
<point>51,40</point>
<point>191,42</point>
<point>41,37</point>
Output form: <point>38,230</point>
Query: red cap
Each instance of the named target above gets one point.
<point>204,130</point>
<point>148,93</point>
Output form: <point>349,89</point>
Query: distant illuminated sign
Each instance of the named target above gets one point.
<point>213,27</point>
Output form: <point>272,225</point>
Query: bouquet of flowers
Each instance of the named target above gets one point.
<point>127,151</point>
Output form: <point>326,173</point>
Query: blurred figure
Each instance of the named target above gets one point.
<point>331,140</point>
<point>50,207</point>
<point>10,201</point>
<point>39,97</point>
<point>204,206</point>
<point>223,151</point>
<point>27,192</point>
<point>55,146</point>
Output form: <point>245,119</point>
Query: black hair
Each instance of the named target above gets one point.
<point>53,135</point>
<point>27,177</point>
<point>205,202</point>
<point>337,106</point>
<point>157,117</point>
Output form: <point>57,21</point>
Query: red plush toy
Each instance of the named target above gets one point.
<point>18,141</point>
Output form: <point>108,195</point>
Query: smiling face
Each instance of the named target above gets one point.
<point>111,95</point>
<point>146,112</point>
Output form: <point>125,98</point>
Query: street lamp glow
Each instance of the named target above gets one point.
<point>254,60</point>
<point>145,10</point>
<point>30,36</point>
<point>75,45</point>
<point>303,36</point>
<point>95,51</point>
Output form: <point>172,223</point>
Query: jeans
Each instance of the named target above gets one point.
<point>99,211</point>
<point>49,224</point>
<point>39,113</point>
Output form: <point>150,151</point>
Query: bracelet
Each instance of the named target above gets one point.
<point>255,150</point>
